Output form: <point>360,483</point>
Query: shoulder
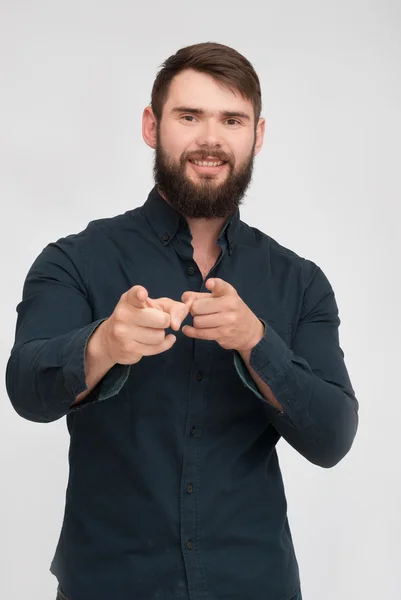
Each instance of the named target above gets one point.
<point>278,255</point>
<point>71,251</point>
<point>99,232</point>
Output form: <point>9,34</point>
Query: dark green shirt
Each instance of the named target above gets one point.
<point>175,490</point>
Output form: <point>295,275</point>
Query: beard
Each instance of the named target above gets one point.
<point>204,198</point>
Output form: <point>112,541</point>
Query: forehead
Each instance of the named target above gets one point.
<point>191,88</point>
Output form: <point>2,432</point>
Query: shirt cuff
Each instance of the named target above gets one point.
<point>74,370</point>
<point>271,360</point>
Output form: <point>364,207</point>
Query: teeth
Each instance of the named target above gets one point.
<point>207,164</point>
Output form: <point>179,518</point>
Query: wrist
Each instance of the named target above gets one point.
<point>97,350</point>
<point>258,334</point>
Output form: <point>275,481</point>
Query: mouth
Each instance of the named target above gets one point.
<point>207,166</point>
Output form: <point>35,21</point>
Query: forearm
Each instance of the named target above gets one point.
<point>317,418</point>
<point>262,386</point>
<point>49,369</point>
<point>97,363</point>
<point>45,377</point>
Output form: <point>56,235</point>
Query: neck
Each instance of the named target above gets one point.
<point>205,232</point>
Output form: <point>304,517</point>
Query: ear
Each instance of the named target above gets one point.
<point>260,134</point>
<point>149,127</point>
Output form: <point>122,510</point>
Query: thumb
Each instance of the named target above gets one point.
<point>152,303</point>
<point>177,310</point>
<point>178,313</point>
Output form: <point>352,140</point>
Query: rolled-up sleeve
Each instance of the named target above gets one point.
<point>310,380</point>
<point>46,369</point>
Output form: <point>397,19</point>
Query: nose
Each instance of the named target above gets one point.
<point>210,135</point>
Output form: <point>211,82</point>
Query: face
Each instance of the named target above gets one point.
<point>205,145</point>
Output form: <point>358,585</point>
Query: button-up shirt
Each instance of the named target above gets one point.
<point>174,489</point>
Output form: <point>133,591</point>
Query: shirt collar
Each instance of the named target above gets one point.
<point>166,221</point>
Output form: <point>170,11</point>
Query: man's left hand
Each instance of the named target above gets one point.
<point>222,316</point>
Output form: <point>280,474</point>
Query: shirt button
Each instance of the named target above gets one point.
<point>190,270</point>
<point>190,488</point>
<point>166,237</point>
<point>192,431</point>
<point>281,413</point>
<point>199,376</point>
<point>190,545</point>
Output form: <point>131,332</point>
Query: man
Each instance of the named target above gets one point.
<point>174,489</point>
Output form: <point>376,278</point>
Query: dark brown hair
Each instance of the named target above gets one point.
<point>223,63</point>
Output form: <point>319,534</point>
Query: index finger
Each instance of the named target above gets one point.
<point>137,296</point>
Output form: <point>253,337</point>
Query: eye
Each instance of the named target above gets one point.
<point>188,117</point>
<point>234,121</point>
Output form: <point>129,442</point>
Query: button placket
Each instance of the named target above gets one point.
<point>190,518</point>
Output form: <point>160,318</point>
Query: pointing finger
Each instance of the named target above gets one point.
<point>137,296</point>
<point>219,287</point>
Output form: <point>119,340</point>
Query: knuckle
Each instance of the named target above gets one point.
<point>120,313</point>
<point>118,331</point>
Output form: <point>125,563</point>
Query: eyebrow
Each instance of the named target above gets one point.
<point>200,111</point>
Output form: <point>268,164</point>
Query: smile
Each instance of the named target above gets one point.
<point>208,164</point>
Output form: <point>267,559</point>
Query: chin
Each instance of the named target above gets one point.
<point>212,178</point>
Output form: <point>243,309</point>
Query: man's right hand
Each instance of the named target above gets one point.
<point>136,328</point>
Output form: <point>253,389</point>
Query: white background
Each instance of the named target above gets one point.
<point>75,77</point>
